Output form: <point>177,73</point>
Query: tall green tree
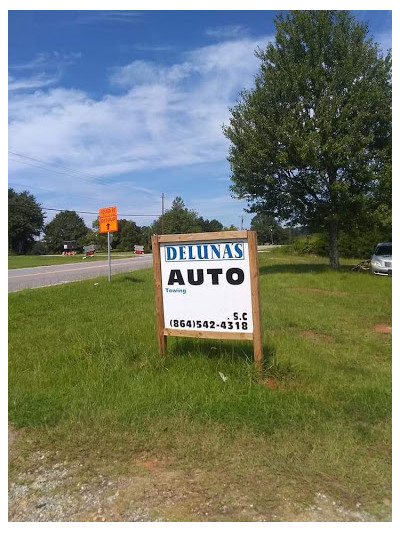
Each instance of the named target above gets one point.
<point>127,236</point>
<point>310,144</point>
<point>210,225</point>
<point>268,230</point>
<point>65,226</point>
<point>178,219</point>
<point>100,240</point>
<point>25,221</point>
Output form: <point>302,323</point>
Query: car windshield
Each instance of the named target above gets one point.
<point>384,250</point>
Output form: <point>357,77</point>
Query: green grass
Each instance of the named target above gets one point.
<point>84,371</point>
<point>28,261</point>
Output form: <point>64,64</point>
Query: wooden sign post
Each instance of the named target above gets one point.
<point>207,286</point>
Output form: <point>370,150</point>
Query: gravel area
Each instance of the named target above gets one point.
<point>154,490</point>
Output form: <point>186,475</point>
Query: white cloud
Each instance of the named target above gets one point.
<point>227,32</point>
<point>166,117</point>
<point>32,82</point>
<point>44,70</point>
<point>147,72</point>
<point>93,17</point>
<point>48,60</point>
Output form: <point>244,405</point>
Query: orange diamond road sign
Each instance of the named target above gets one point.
<point>108,220</point>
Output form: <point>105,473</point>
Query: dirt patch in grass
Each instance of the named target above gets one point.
<point>316,335</point>
<point>151,463</point>
<point>382,328</point>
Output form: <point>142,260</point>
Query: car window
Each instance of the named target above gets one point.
<point>383,250</point>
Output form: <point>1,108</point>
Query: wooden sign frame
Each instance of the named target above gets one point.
<point>164,332</point>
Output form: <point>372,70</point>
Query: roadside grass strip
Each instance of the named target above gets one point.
<point>30,261</point>
<point>86,381</point>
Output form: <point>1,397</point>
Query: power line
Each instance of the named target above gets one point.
<point>66,171</point>
<point>78,177</point>
<point>24,156</point>
<point>97,213</point>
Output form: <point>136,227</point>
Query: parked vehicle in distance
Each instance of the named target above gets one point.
<point>381,259</point>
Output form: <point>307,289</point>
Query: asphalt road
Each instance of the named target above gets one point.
<point>29,278</point>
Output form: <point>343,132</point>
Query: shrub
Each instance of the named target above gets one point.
<point>356,243</point>
<point>38,248</point>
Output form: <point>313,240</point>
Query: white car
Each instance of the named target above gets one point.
<point>381,259</point>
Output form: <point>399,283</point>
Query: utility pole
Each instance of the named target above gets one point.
<point>162,213</point>
<point>241,223</point>
<point>272,239</point>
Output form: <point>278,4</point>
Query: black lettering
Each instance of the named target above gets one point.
<point>214,272</point>
<point>200,277</point>
<point>175,277</point>
<point>238,273</point>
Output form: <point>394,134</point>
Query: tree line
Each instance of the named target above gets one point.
<point>26,224</point>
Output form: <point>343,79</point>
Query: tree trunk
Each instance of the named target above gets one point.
<point>333,244</point>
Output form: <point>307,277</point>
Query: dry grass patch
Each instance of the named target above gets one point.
<point>382,328</point>
<point>316,335</point>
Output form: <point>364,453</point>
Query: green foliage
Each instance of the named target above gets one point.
<point>311,142</point>
<point>210,225</point>
<point>89,238</point>
<point>269,230</point>
<point>356,243</point>
<point>38,248</point>
<point>316,244</point>
<point>127,236</point>
<point>65,226</point>
<point>145,238</point>
<point>178,219</point>
<point>100,239</point>
<point>230,228</point>
<point>25,221</point>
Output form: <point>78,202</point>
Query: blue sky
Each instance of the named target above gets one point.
<point>117,107</point>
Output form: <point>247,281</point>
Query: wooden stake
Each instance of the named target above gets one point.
<point>162,339</point>
<point>255,300</point>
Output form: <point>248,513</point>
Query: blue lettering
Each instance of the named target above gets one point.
<point>171,253</point>
<point>239,250</point>
<point>215,251</point>
<point>205,250</point>
<point>227,252</point>
<point>182,254</point>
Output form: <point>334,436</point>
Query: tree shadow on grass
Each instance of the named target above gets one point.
<point>304,268</point>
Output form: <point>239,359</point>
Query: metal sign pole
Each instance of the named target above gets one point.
<point>109,256</point>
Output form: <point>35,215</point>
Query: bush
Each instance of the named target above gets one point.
<point>357,243</point>
<point>38,248</point>
<point>316,244</point>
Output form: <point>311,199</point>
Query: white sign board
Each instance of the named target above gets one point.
<point>206,286</point>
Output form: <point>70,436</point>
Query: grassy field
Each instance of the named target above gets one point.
<point>27,261</point>
<point>308,440</point>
